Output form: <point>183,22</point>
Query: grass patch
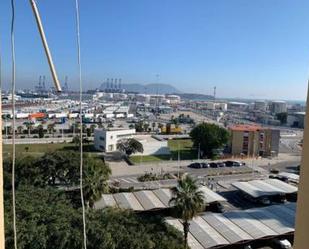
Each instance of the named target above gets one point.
<point>147,159</point>
<point>187,152</point>
<point>185,148</point>
<point>41,149</point>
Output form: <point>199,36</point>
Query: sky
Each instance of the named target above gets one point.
<point>248,49</point>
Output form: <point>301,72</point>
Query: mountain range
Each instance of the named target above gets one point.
<point>153,88</point>
<point>156,88</point>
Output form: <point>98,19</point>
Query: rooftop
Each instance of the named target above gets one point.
<point>149,199</point>
<point>268,187</point>
<point>242,127</point>
<point>213,230</point>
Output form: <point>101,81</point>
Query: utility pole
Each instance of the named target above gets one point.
<point>178,159</point>
<point>2,238</point>
<point>199,151</point>
<point>301,238</point>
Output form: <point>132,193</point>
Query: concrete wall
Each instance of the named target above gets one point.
<point>154,147</point>
<point>237,142</point>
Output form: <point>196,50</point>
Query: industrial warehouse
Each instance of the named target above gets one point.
<point>213,230</point>
<point>149,200</point>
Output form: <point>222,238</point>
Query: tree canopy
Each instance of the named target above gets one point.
<point>47,220</point>
<point>49,216</point>
<point>130,146</point>
<point>209,137</point>
<point>60,169</point>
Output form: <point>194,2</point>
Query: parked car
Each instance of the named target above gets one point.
<point>234,163</point>
<point>229,163</point>
<point>195,166</point>
<point>205,165</point>
<point>213,165</point>
<point>283,243</point>
<point>221,164</point>
<point>281,178</point>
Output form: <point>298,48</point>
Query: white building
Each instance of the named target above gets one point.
<point>221,106</point>
<point>106,140</point>
<point>237,106</point>
<point>173,99</point>
<point>278,107</point>
<point>142,98</point>
<point>260,105</point>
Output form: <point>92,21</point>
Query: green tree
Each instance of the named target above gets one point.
<point>153,126</point>
<point>88,132</point>
<point>209,137</point>
<point>92,128</point>
<point>139,127</point>
<point>187,201</point>
<point>76,141</point>
<point>51,128</point>
<point>58,168</point>
<point>146,127</point>
<point>40,131</point>
<point>84,127</point>
<point>45,219</point>
<point>29,128</point>
<point>130,146</point>
<point>96,175</point>
<point>48,220</point>
<point>20,129</point>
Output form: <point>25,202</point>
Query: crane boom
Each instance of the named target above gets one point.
<point>45,45</point>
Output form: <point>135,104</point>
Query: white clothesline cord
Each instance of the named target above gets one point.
<point>13,122</point>
<point>81,120</point>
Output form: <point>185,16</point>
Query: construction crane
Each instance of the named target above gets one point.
<point>45,45</point>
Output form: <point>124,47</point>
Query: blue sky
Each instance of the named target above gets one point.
<point>250,49</point>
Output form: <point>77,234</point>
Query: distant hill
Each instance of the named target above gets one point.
<point>148,88</point>
<point>195,96</point>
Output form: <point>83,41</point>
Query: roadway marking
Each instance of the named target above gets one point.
<point>124,180</point>
<point>133,180</point>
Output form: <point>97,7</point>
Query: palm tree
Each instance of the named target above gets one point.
<point>130,146</point>
<point>95,180</point>
<point>20,129</point>
<point>40,131</point>
<point>76,141</point>
<point>187,201</point>
<point>9,129</point>
<point>29,127</point>
<point>92,128</point>
<point>146,127</point>
<point>51,128</point>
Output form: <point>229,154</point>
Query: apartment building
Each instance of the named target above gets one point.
<point>254,140</point>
